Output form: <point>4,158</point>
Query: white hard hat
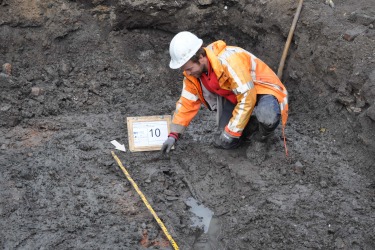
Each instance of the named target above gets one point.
<point>183,46</point>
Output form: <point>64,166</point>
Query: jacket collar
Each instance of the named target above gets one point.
<point>213,51</point>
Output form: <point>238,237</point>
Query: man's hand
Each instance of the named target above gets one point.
<point>226,141</point>
<point>168,144</point>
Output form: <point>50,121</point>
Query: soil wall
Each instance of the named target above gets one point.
<point>72,71</point>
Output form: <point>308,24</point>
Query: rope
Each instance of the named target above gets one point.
<point>285,147</point>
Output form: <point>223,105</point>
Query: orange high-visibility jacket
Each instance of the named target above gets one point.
<point>236,70</point>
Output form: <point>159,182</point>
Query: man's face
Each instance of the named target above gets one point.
<point>193,68</point>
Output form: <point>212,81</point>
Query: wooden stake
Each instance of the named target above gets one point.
<point>288,41</point>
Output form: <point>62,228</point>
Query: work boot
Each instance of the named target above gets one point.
<point>259,145</point>
<point>265,133</point>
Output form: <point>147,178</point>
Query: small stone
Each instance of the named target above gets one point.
<point>171,198</point>
<point>36,91</point>
<point>91,235</point>
<point>339,243</point>
<point>66,68</point>
<point>345,100</point>
<point>169,192</point>
<point>94,87</point>
<point>350,35</point>
<point>293,74</point>
<point>283,172</point>
<point>3,147</point>
<point>29,154</point>
<point>330,3</point>
<point>108,163</point>
<point>205,2</point>
<point>298,168</point>
<point>7,68</point>
<point>354,109</point>
<point>298,164</point>
<point>362,16</point>
<point>323,184</point>
<point>371,112</point>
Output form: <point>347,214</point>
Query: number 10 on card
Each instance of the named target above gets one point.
<point>148,133</point>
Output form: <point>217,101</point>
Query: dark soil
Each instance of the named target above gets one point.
<point>79,68</point>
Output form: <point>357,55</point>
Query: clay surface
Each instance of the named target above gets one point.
<point>72,71</point>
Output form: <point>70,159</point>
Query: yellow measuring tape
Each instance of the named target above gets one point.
<point>174,244</point>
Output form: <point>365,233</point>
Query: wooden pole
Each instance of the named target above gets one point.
<point>288,41</point>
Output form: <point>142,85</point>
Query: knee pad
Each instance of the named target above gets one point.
<point>267,128</point>
<point>267,116</point>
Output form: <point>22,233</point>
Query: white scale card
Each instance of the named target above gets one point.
<point>150,133</point>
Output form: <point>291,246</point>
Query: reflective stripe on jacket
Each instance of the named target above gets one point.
<point>242,73</point>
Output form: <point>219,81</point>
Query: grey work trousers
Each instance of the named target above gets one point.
<point>265,117</point>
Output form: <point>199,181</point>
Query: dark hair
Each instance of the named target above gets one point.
<point>195,58</point>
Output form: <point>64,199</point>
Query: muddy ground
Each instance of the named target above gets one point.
<point>79,68</point>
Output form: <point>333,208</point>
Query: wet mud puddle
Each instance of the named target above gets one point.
<point>204,218</point>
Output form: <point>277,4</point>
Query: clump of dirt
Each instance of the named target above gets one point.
<point>74,70</point>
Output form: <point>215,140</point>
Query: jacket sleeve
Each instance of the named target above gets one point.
<point>186,108</point>
<point>238,66</point>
